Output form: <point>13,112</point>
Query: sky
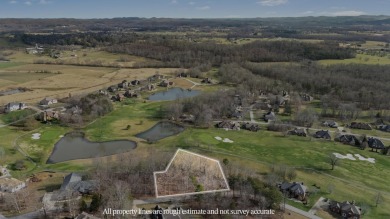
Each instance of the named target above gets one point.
<point>189,8</point>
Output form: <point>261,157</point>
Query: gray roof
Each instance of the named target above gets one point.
<point>375,143</point>
<point>322,134</point>
<point>298,188</point>
<point>69,179</point>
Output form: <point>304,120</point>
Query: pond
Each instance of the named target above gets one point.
<point>74,146</point>
<point>174,94</point>
<point>161,130</point>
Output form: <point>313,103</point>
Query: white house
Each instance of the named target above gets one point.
<point>14,106</point>
<point>48,101</point>
<point>35,50</point>
<point>11,185</point>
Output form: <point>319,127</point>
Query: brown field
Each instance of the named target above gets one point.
<point>183,83</point>
<point>72,80</point>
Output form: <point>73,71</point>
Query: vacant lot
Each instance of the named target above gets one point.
<point>189,173</point>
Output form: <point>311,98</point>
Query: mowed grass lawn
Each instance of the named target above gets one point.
<point>352,180</point>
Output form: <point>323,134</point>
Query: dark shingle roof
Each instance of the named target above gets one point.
<point>375,143</point>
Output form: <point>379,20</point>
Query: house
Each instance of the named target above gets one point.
<point>297,131</point>
<point>206,81</point>
<point>306,97</point>
<point>150,87</point>
<point>48,101</point>
<point>237,114</point>
<point>385,128</point>
<point>124,84</point>
<point>322,134</point>
<point>49,115</point>
<point>330,123</point>
<point>103,92</point>
<point>270,116</point>
<point>375,143</point>
<point>360,125</point>
<point>130,94</point>
<point>187,118</point>
<point>14,106</point>
<point>35,50</point>
<point>74,185</point>
<point>155,77</point>
<point>112,89</point>
<point>345,209</point>
<point>167,83</point>
<point>118,97</point>
<point>228,125</point>
<point>348,139</point>
<point>295,190</point>
<point>135,82</point>
<point>251,127</point>
<point>182,75</point>
<point>11,185</point>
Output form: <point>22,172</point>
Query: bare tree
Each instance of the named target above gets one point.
<point>291,174</point>
<point>333,160</point>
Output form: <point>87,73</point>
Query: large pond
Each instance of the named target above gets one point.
<point>161,130</point>
<point>174,93</point>
<point>74,146</point>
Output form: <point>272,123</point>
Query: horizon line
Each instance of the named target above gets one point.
<point>190,18</point>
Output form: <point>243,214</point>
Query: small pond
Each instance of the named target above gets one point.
<point>74,146</point>
<point>174,94</point>
<point>161,130</point>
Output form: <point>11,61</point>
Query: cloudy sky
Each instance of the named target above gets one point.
<point>189,8</point>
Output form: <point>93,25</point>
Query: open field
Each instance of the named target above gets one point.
<point>360,59</point>
<point>79,57</point>
<point>60,80</point>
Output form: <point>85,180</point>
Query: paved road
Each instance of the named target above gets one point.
<point>31,215</point>
<point>299,211</point>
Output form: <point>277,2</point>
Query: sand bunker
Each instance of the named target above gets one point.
<point>226,140</point>
<point>360,157</point>
<point>36,136</point>
<point>351,157</point>
<point>348,156</point>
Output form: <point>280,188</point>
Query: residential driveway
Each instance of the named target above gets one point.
<point>318,205</point>
<point>299,211</point>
